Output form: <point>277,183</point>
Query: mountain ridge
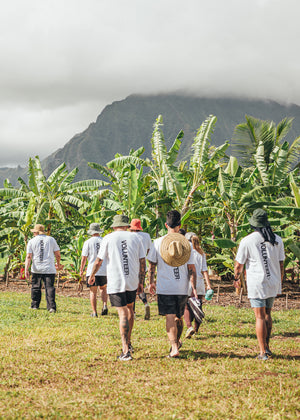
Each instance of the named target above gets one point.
<point>128,123</point>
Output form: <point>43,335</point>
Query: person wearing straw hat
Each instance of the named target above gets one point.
<point>171,255</point>
<point>42,250</point>
<point>136,227</point>
<point>262,252</point>
<point>89,253</point>
<point>125,264</point>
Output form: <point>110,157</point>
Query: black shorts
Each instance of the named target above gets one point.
<point>99,281</point>
<point>122,299</point>
<point>171,304</point>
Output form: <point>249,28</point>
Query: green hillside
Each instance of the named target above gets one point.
<point>128,124</point>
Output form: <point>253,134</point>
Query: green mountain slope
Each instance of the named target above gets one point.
<point>129,123</point>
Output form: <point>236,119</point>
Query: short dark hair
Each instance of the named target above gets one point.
<point>182,231</point>
<point>173,218</point>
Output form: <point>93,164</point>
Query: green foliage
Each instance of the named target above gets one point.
<point>214,193</point>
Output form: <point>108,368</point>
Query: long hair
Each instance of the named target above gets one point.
<point>196,244</point>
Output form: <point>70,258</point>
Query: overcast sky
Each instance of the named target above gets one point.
<point>63,61</point>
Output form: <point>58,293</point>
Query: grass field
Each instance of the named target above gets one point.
<point>63,366</point>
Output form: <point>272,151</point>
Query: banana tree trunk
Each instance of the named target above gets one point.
<point>188,200</point>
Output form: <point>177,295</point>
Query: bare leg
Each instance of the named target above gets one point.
<point>103,295</point>
<point>171,327</point>
<point>261,328</point>
<point>179,324</point>
<point>130,320</point>
<point>196,326</point>
<point>268,325</point>
<point>124,327</point>
<point>93,298</point>
<point>187,317</point>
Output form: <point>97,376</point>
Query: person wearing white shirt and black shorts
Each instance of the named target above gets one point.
<point>89,253</point>
<point>125,267</point>
<point>172,256</point>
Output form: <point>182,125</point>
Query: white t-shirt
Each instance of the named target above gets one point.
<point>90,250</point>
<point>42,248</point>
<point>262,265</point>
<point>200,264</point>
<point>146,239</point>
<point>170,280</point>
<point>122,251</point>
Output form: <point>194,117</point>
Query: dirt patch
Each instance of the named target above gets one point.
<point>225,294</point>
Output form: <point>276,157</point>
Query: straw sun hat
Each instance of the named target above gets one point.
<point>40,229</point>
<point>175,249</point>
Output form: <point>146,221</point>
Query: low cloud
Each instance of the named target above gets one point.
<point>64,61</point>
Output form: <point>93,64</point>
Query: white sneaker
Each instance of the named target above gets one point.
<point>124,357</point>
<point>190,332</point>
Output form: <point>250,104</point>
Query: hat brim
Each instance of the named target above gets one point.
<point>175,261</point>
<point>92,232</point>
<point>253,222</point>
<point>120,224</point>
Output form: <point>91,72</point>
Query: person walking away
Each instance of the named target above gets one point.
<point>202,274</point>
<point>125,264</point>
<point>136,227</point>
<point>89,253</point>
<point>171,255</point>
<point>42,250</point>
<point>262,253</point>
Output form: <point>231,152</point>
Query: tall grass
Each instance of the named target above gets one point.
<point>63,366</point>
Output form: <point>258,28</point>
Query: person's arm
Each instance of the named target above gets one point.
<point>151,273</point>
<point>281,270</point>
<point>206,277</point>
<point>142,271</point>
<point>193,278</point>
<point>82,265</point>
<point>27,265</point>
<point>97,264</point>
<point>238,269</point>
<point>57,257</point>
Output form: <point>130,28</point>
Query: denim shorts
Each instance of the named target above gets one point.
<point>262,303</point>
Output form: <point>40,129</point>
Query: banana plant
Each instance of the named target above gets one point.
<point>54,197</point>
<point>203,163</point>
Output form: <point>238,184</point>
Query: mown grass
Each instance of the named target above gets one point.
<point>63,366</point>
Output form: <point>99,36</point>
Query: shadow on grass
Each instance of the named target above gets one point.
<point>287,334</point>
<point>237,335</point>
<point>200,355</point>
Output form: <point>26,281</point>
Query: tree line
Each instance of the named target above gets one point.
<point>214,191</point>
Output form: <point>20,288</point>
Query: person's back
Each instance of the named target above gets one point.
<point>262,265</point>
<point>42,251</point>
<point>146,239</point>
<point>170,280</point>
<point>122,251</point>
<point>262,253</point>
<point>42,248</point>
<point>91,249</point>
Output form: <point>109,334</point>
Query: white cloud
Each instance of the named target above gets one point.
<point>62,61</point>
